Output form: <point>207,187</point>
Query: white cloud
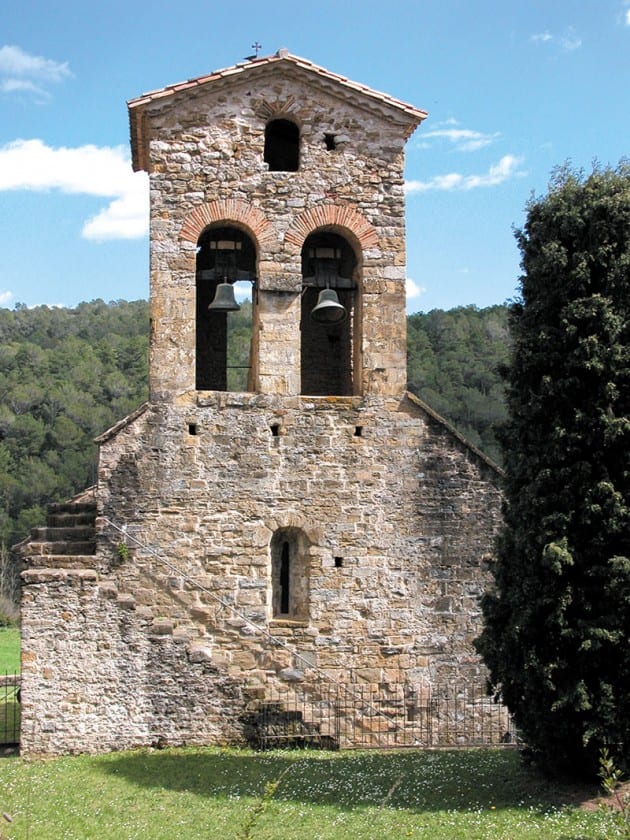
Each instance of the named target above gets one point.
<point>13,60</point>
<point>19,86</point>
<point>21,72</point>
<point>5,297</point>
<point>126,217</point>
<point>464,139</point>
<point>413,289</point>
<point>506,168</point>
<point>627,17</point>
<point>88,170</point>
<point>568,41</point>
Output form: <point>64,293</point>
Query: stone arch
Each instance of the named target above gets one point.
<point>339,216</point>
<point>230,211</point>
<point>298,520</point>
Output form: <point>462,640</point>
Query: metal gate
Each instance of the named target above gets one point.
<point>9,710</point>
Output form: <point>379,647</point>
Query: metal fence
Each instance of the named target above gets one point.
<point>9,709</point>
<point>379,716</point>
<point>352,716</point>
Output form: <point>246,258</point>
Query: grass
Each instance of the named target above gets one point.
<point>295,795</point>
<point>9,650</point>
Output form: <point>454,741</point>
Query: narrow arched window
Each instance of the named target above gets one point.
<point>282,146</point>
<point>289,575</point>
<point>285,579</point>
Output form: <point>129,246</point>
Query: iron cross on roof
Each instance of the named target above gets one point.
<point>255,46</point>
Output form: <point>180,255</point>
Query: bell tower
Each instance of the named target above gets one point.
<point>282,175</point>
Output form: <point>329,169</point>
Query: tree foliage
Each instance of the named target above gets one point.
<point>66,375</point>
<point>453,362</point>
<point>557,625</point>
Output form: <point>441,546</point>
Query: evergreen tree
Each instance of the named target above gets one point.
<point>556,638</point>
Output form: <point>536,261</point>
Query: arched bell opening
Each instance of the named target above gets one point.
<point>329,315</point>
<point>226,277</point>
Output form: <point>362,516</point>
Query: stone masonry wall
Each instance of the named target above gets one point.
<point>98,674</point>
<point>169,641</point>
<point>398,518</point>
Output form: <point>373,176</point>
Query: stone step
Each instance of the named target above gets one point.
<point>72,507</point>
<point>60,561</point>
<point>63,533</point>
<point>62,547</point>
<point>69,520</point>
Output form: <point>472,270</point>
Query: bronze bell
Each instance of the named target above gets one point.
<point>224,300</point>
<point>328,310</point>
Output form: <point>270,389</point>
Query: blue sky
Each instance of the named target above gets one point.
<point>512,90</point>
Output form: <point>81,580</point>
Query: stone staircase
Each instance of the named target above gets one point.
<point>68,540</point>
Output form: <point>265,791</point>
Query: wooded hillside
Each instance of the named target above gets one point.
<point>66,375</point>
<point>453,362</point>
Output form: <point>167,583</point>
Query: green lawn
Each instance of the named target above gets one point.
<point>9,651</point>
<point>230,794</point>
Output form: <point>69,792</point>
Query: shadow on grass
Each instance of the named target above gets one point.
<point>412,780</point>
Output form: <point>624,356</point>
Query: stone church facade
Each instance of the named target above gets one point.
<point>319,523</point>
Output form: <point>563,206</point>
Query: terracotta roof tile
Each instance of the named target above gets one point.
<point>274,59</point>
<point>415,115</point>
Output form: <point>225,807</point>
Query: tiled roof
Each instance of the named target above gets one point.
<point>415,115</point>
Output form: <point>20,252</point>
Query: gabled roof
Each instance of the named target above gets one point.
<point>282,59</point>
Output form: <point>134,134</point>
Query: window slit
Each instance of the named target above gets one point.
<point>284,579</point>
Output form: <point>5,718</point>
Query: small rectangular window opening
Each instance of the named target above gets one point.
<point>331,143</point>
<point>275,429</point>
<point>192,428</point>
<point>358,431</point>
<point>338,562</point>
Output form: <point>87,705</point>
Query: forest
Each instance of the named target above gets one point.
<point>66,375</point>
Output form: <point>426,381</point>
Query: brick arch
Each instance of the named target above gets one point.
<point>226,210</point>
<point>326,215</point>
<point>281,109</point>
